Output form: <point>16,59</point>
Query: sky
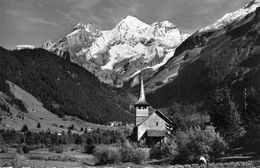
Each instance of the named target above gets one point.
<point>36,21</point>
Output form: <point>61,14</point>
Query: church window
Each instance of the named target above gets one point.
<point>157,124</point>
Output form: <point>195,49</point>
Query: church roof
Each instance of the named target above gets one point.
<point>160,114</point>
<point>163,116</point>
<point>142,100</point>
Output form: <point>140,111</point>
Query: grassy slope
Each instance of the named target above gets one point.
<point>37,113</point>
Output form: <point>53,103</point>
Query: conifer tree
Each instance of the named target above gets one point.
<point>225,115</point>
<point>24,128</point>
<point>39,125</point>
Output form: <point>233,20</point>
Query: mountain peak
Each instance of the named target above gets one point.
<point>131,19</point>
<point>133,22</point>
<point>167,23</point>
<point>164,23</point>
<point>79,25</point>
<point>82,26</point>
<point>88,27</point>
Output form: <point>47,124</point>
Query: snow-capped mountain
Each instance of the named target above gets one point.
<point>117,55</point>
<point>19,47</point>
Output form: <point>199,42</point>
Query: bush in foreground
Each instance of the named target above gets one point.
<point>130,153</point>
<point>196,142</point>
<point>107,154</point>
<point>140,156</point>
<point>165,150</point>
<point>125,153</point>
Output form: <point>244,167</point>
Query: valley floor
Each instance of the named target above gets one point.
<point>73,159</point>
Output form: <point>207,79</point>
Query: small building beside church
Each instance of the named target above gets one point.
<point>150,124</point>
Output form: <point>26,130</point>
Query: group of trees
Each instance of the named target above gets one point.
<point>212,127</point>
<point>98,136</point>
<point>224,115</point>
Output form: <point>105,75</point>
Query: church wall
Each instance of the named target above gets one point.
<point>151,124</point>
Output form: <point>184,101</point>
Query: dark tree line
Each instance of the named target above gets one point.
<point>48,138</point>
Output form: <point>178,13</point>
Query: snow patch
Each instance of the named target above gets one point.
<point>73,32</point>
<point>19,47</point>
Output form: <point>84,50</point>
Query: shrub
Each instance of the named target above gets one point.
<point>26,149</point>
<point>3,149</point>
<point>19,149</point>
<point>61,158</point>
<point>140,156</point>
<point>89,148</point>
<point>78,140</point>
<point>107,154</point>
<point>165,150</point>
<point>19,161</point>
<point>133,154</point>
<point>56,149</point>
<point>127,152</point>
<point>76,148</point>
<point>196,142</point>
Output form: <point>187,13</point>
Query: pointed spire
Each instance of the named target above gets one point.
<point>141,101</point>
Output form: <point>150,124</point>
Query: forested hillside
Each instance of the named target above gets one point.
<point>63,87</point>
<point>228,57</point>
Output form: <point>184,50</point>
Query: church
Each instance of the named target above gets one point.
<point>150,124</point>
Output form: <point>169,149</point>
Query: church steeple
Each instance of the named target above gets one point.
<point>142,100</point>
<point>141,106</point>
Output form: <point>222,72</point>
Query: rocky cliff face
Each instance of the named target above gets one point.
<point>116,56</point>
<point>225,53</point>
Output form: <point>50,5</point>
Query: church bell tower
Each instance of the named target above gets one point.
<point>141,106</point>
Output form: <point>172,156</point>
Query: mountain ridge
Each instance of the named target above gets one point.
<point>113,55</point>
<point>210,60</point>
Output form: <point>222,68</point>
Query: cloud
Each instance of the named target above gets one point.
<point>24,18</point>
